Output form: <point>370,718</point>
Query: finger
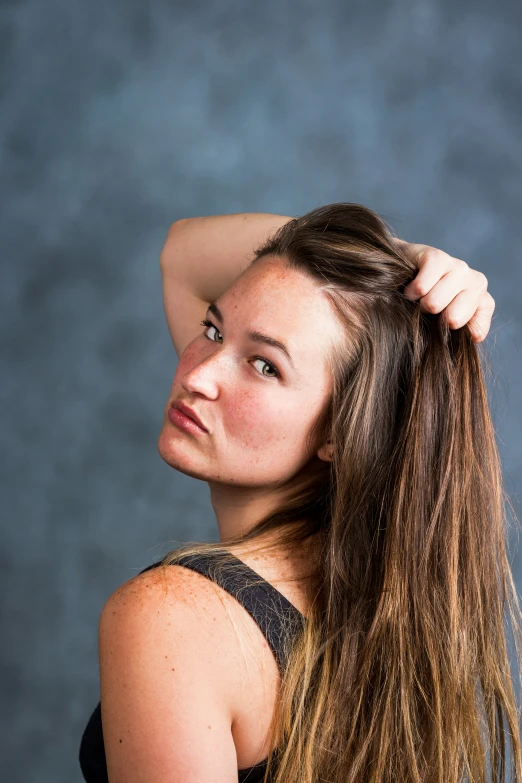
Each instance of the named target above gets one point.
<point>461,309</point>
<point>458,279</point>
<point>480,323</point>
<point>468,309</point>
<point>433,264</point>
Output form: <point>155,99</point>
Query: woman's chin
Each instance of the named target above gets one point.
<point>170,449</point>
<point>173,452</point>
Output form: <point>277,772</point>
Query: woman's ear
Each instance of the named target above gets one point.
<point>325,452</point>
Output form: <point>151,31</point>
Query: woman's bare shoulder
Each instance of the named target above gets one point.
<point>193,614</point>
<point>165,664</point>
<point>173,593</point>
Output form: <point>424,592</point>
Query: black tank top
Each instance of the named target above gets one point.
<point>261,600</point>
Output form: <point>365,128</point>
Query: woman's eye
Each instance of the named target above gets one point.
<point>273,369</point>
<point>269,365</point>
<point>209,324</point>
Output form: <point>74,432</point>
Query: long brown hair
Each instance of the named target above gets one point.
<point>402,672</point>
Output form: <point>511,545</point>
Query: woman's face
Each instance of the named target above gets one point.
<point>257,417</point>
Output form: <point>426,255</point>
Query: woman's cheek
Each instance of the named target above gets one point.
<point>254,419</point>
<point>242,414</point>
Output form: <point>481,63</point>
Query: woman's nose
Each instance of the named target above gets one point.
<point>207,374</point>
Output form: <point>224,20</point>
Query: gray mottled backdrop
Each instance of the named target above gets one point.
<point>118,117</point>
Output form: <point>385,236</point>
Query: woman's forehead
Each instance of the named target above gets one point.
<point>272,281</point>
<point>285,304</point>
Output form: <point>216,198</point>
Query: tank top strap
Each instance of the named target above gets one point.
<point>277,618</point>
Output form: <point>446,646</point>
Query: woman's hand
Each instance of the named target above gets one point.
<point>448,285</point>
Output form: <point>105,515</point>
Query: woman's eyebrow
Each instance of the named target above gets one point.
<point>256,337</point>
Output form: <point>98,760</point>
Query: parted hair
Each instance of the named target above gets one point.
<point>402,672</point>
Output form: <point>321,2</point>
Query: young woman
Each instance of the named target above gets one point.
<point>348,625</point>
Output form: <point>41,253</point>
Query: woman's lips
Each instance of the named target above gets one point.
<point>184,422</point>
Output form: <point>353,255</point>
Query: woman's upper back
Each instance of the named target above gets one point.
<point>189,671</point>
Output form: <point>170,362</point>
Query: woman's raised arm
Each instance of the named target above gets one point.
<point>201,258</point>
<point>209,253</point>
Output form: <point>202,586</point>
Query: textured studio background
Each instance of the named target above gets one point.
<point>118,117</point>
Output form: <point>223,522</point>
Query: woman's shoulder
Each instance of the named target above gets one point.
<point>183,599</point>
<point>180,612</point>
<point>190,614</point>
<point>163,661</point>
